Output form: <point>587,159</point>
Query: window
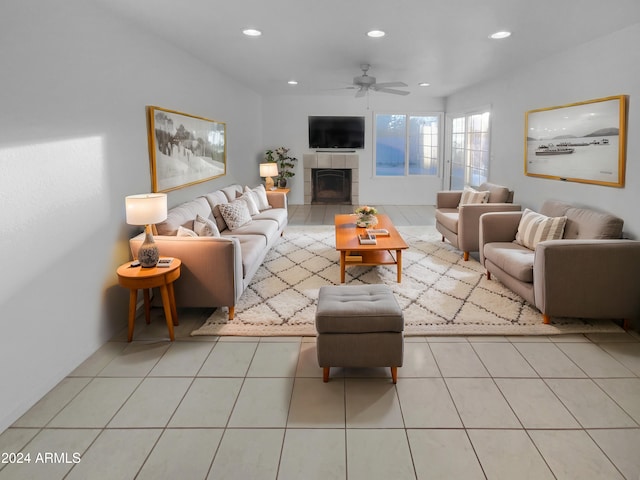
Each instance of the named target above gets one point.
<point>469,150</point>
<point>407,144</point>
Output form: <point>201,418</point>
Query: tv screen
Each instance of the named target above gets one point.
<point>336,132</point>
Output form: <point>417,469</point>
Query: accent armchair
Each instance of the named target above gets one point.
<point>589,273</point>
<point>460,223</point>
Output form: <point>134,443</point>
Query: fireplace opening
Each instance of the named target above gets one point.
<point>331,185</point>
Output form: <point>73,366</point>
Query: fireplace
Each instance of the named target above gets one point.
<point>331,185</point>
<point>347,183</point>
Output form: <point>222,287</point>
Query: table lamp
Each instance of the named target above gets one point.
<point>269,170</point>
<point>147,209</point>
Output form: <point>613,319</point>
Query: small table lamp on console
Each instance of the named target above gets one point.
<point>269,170</point>
<point>147,209</point>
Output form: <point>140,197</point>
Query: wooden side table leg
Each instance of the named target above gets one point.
<point>399,264</point>
<point>133,299</point>
<point>147,306</point>
<point>343,259</point>
<point>172,300</point>
<point>167,310</point>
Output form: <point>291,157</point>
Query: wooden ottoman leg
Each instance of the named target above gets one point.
<point>325,374</point>
<point>394,374</point>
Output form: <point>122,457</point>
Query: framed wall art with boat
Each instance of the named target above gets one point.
<point>580,142</point>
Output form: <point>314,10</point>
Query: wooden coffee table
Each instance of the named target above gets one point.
<point>387,251</point>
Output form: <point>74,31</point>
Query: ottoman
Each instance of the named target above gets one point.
<point>359,326</point>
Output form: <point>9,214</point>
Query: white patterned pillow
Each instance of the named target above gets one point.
<point>235,214</point>
<point>185,232</point>
<point>205,227</point>
<point>535,228</point>
<point>261,197</point>
<point>471,195</point>
<point>253,208</point>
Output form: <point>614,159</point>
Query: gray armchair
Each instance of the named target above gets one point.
<point>590,273</point>
<point>460,224</point>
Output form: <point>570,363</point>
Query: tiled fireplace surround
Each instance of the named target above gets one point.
<point>331,160</point>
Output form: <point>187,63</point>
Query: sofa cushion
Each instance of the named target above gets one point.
<point>448,218</point>
<point>278,215</point>
<point>251,204</point>
<point>535,228</point>
<point>511,257</point>
<point>266,228</point>
<point>184,215</point>
<point>261,196</point>
<point>205,227</point>
<point>231,192</point>
<point>235,214</point>
<point>251,248</point>
<point>185,232</point>
<point>586,224</point>
<point>471,195</point>
<point>215,199</point>
<point>497,193</point>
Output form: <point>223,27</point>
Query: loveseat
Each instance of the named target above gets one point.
<point>589,272</point>
<point>217,269</point>
<point>458,222</point>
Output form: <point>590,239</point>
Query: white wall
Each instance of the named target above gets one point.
<point>285,123</point>
<point>604,67</point>
<point>74,85</point>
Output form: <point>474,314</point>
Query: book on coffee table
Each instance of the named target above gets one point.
<point>366,239</point>
<point>378,232</point>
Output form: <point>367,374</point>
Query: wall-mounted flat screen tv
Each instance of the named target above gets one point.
<point>336,132</point>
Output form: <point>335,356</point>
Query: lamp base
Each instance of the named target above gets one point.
<point>148,254</point>
<point>268,183</point>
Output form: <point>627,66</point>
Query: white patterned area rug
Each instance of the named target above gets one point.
<point>440,294</point>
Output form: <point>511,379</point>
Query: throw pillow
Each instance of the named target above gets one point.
<point>471,195</point>
<point>261,194</point>
<point>253,208</point>
<point>205,227</point>
<point>185,232</point>
<point>535,228</point>
<point>235,214</point>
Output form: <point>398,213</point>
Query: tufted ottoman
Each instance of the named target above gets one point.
<point>359,326</point>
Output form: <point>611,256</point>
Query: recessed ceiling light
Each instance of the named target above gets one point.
<point>292,82</point>
<point>423,84</point>
<point>251,32</point>
<point>499,35</point>
<point>376,33</point>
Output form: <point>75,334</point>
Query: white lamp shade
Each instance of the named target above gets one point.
<point>269,169</point>
<point>146,208</point>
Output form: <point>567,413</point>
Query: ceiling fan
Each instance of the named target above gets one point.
<point>364,83</point>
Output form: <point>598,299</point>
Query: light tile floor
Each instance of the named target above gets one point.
<point>250,408</point>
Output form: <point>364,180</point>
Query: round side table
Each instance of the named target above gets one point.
<point>135,278</point>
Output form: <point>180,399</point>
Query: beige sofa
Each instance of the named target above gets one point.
<point>459,223</point>
<point>589,273</point>
<point>217,270</point>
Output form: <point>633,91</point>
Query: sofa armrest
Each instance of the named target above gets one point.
<point>588,278</point>
<point>469,222</point>
<point>211,274</point>
<point>277,199</point>
<point>448,198</point>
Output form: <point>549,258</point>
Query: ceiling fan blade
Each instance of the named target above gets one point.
<point>391,84</point>
<point>391,90</point>
<point>361,93</point>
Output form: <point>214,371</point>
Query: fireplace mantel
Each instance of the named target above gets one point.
<point>331,160</point>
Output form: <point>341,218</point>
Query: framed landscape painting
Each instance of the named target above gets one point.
<point>581,142</point>
<point>184,149</point>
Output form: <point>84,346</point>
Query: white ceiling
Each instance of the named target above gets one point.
<point>321,43</point>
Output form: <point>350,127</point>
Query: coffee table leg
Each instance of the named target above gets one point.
<point>399,264</point>
<point>343,260</point>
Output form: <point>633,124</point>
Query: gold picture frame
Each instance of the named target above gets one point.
<point>184,149</point>
<point>580,142</point>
